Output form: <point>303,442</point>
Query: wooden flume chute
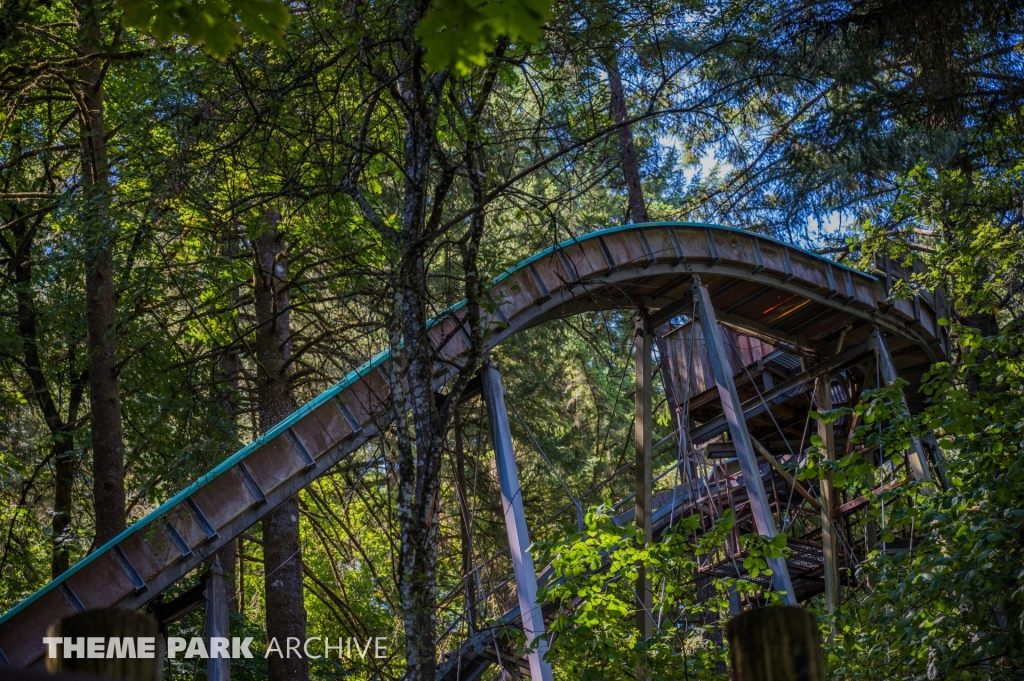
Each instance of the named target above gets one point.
<point>810,317</point>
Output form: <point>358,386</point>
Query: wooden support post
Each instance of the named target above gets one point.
<point>642,442</point>
<point>776,643</point>
<point>140,629</point>
<point>732,410</point>
<point>515,522</point>
<point>931,445</point>
<point>217,634</point>
<point>918,461</point>
<point>735,607</point>
<point>829,540</point>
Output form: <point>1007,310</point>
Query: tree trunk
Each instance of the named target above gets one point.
<point>419,456</point>
<point>637,205</point>
<point>465,526</point>
<point>627,149</point>
<point>419,480</point>
<point>227,374</point>
<point>282,554</point>
<point>421,443</point>
<point>61,430</point>
<point>988,325</point>
<point>63,484</point>
<point>101,304</point>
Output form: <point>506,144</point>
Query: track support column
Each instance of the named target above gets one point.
<point>918,462</point>
<point>642,443</point>
<point>733,411</point>
<point>216,595</point>
<point>515,522</point>
<point>829,541</point>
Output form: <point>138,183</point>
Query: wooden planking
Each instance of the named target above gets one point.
<point>517,293</point>
<point>553,273</point>
<point>188,525</point>
<point>224,498</point>
<point>21,639</point>
<point>761,305</point>
<point>102,584</point>
<point>694,243</point>
<point>819,321</point>
<point>929,324</point>
<point>747,295</point>
<point>734,249</point>
<point>367,399</point>
<point>160,552</point>
<point>902,308</point>
<point>449,342</point>
<point>325,427</point>
<point>686,246</point>
<point>660,242</point>
<point>586,257</point>
<point>774,258</point>
<point>808,271</point>
<point>140,550</point>
<point>626,249</point>
<point>273,463</point>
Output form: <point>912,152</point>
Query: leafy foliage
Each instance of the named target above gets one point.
<point>594,636</point>
<point>459,33</point>
<point>214,24</point>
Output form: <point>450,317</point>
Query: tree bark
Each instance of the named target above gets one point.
<point>101,302</point>
<point>227,374</point>
<point>629,161</point>
<point>282,552</point>
<point>61,430</point>
<point>421,440</point>
<point>465,526</point>
<point>419,477</point>
<point>419,463</point>
<point>628,158</point>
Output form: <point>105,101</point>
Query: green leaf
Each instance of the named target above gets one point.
<point>458,34</point>
<point>214,24</point>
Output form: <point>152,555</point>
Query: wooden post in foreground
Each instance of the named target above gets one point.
<point>776,643</point>
<point>138,629</point>
<point>217,622</point>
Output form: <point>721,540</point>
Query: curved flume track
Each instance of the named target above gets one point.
<point>760,287</point>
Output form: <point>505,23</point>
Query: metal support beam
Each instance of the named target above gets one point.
<point>916,456</point>
<point>829,540</point>
<point>763,332</point>
<point>733,412</point>
<point>515,522</point>
<point>642,442</point>
<point>780,392</point>
<point>217,634</point>
<point>931,446</point>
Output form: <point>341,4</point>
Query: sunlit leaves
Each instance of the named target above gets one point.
<point>458,34</point>
<point>214,24</point>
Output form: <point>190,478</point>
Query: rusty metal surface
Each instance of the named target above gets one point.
<point>784,289</point>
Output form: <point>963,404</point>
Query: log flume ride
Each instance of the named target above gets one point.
<point>765,326</point>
